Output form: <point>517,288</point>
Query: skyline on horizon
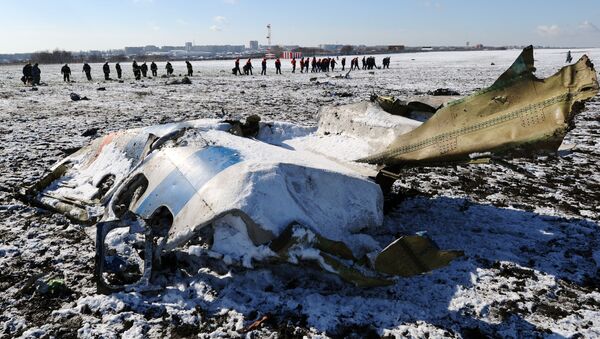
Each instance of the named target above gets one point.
<point>113,24</point>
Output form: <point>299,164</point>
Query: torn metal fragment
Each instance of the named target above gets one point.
<point>518,114</point>
<point>396,106</point>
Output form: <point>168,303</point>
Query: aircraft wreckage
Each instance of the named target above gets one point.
<point>278,192</point>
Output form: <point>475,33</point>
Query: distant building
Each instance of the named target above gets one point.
<point>188,46</point>
<point>253,44</point>
<point>330,47</point>
<point>151,48</point>
<point>290,54</point>
<point>114,52</point>
<point>395,48</point>
<point>134,50</point>
<point>218,48</point>
<point>170,48</point>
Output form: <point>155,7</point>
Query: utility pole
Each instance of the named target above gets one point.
<point>269,38</point>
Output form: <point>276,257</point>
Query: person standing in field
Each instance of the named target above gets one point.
<point>236,69</point>
<point>136,70</point>
<point>293,65</point>
<point>569,57</point>
<point>35,74</point>
<point>332,63</point>
<point>264,67</point>
<point>88,71</point>
<point>343,64</point>
<point>106,70</point>
<point>301,65</point>
<point>154,69</point>
<point>27,73</point>
<point>386,62</point>
<point>144,69</point>
<point>119,70</point>
<point>66,72</point>
<point>169,68</point>
<point>277,66</point>
<point>248,67</point>
<point>190,70</point>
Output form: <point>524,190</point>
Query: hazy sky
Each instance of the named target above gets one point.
<point>34,25</point>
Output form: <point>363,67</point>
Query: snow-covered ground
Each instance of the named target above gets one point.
<point>532,243</point>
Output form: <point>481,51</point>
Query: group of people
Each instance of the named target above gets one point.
<point>368,63</point>
<point>314,65</point>
<point>139,71</point>
<point>31,74</point>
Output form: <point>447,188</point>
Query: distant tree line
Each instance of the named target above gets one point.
<point>347,49</point>
<point>54,57</point>
<point>144,58</point>
<point>308,51</point>
<point>64,57</point>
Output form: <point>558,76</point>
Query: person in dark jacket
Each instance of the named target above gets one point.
<point>154,69</point>
<point>236,69</point>
<point>88,71</point>
<point>248,67</point>
<point>264,67</point>
<point>66,72</point>
<point>277,66</point>
<point>27,73</point>
<point>293,62</point>
<point>343,64</point>
<point>371,63</point>
<point>119,70</point>
<point>386,62</point>
<point>169,68</point>
<point>137,73</point>
<point>569,57</point>
<point>106,70</point>
<point>190,70</point>
<point>364,63</point>
<point>144,69</point>
<point>332,63</point>
<point>35,74</point>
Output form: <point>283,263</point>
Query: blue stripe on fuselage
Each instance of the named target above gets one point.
<point>176,190</point>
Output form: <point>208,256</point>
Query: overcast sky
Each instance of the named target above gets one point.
<point>34,25</point>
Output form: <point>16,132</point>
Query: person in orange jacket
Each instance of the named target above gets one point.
<point>302,65</point>
<point>293,65</point>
